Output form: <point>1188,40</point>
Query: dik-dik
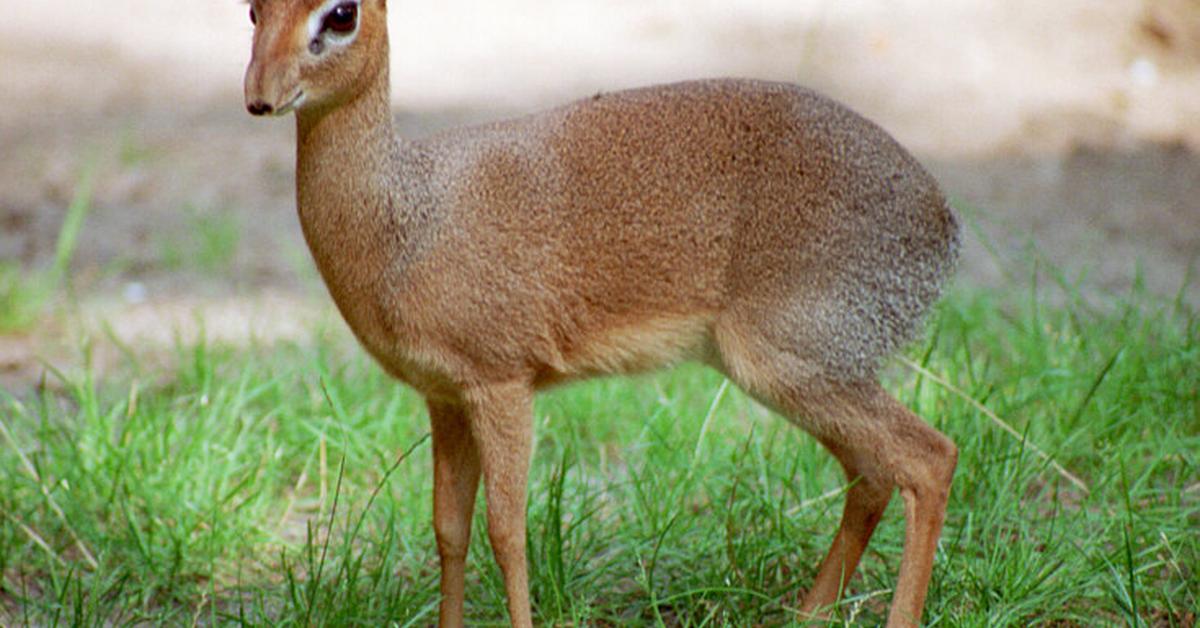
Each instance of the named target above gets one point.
<point>757,227</point>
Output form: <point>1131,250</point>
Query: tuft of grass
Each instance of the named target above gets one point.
<point>24,294</point>
<point>291,485</point>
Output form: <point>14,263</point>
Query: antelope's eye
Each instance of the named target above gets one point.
<point>253,16</point>
<point>342,19</point>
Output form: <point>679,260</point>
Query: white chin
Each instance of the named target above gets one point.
<point>291,105</point>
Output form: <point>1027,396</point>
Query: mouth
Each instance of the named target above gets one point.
<point>290,105</point>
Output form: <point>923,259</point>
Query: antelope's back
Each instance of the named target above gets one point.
<point>694,198</point>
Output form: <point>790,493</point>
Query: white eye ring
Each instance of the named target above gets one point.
<point>317,36</point>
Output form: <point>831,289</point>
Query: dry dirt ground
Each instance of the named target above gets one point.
<point>1069,128</point>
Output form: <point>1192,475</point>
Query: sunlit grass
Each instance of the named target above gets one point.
<point>291,484</point>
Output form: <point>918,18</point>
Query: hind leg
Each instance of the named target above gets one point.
<point>865,502</point>
<point>880,444</point>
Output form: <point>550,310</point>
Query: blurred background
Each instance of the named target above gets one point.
<point>132,179</point>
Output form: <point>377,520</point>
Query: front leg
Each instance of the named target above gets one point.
<point>455,482</point>
<point>501,420</point>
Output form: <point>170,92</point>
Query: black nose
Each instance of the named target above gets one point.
<point>259,108</point>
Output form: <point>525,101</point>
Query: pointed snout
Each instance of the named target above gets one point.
<point>271,91</point>
<point>272,79</point>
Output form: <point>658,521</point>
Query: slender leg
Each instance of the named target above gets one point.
<point>502,422</point>
<point>925,494</point>
<point>879,442</point>
<point>877,437</point>
<point>455,482</point>
<point>865,503</point>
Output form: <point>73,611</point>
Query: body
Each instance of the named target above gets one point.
<point>584,241</point>
<point>758,227</point>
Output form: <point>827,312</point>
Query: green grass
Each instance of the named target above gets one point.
<point>25,295</point>
<point>291,485</point>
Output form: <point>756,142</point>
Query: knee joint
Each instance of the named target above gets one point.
<point>452,541</point>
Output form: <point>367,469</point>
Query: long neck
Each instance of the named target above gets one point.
<point>352,140</point>
<point>356,187</point>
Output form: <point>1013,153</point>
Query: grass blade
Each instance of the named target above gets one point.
<point>1001,423</point>
<point>58,512</point>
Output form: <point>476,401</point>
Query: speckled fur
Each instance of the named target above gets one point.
<point>759,227</point>
<point>550,230</point>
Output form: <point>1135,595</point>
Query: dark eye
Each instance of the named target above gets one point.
<point>253,16</point>
<point>342,19</point>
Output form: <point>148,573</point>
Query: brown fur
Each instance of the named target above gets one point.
<point>759,227</point>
